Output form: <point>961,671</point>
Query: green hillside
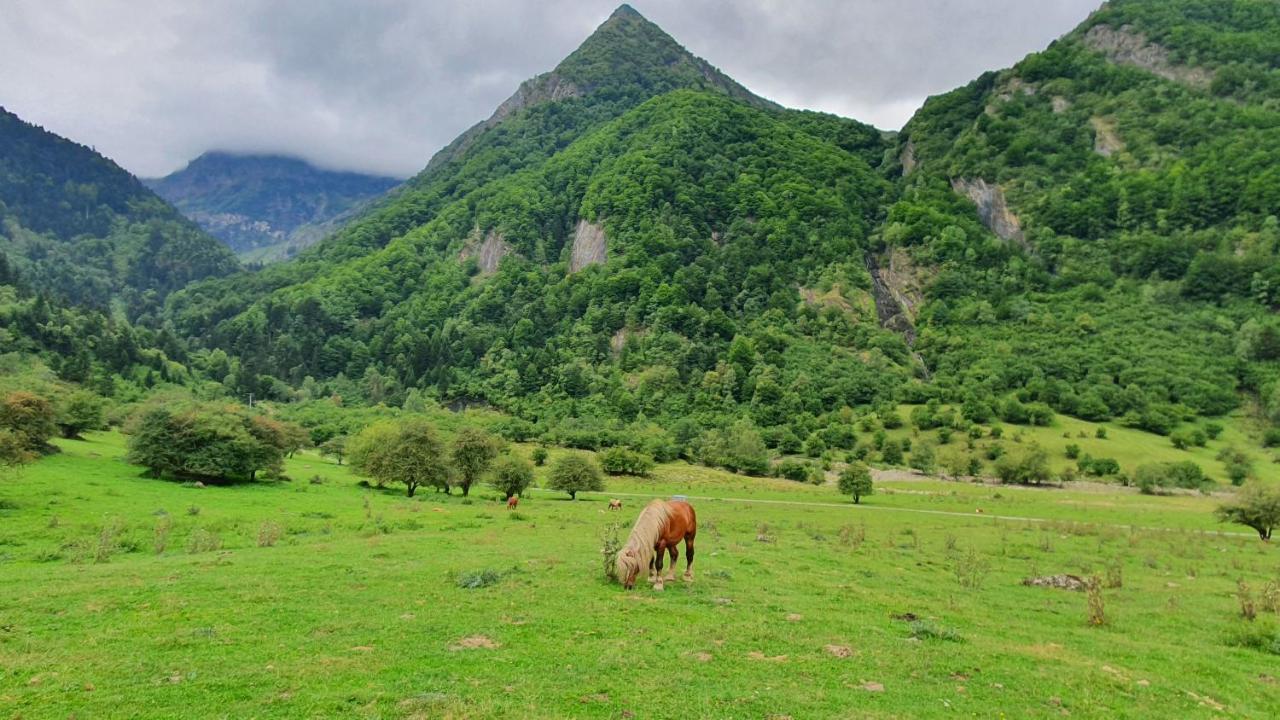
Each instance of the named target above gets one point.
<point>633,239</point>
<point>77,225</point>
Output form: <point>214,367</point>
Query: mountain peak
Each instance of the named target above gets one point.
<point>626,11</point>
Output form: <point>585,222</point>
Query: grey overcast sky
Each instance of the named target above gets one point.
<point>380,85</point>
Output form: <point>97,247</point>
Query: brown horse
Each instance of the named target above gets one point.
<point>657,532</point>
<point>615,504</point>
<point>512,502</point>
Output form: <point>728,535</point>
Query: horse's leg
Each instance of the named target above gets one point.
<point>688,558</point>
<point>651,576</point>
<point>657,559</point>
<point>674,550</point>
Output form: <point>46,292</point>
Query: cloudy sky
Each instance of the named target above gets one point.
<point>379,85</point>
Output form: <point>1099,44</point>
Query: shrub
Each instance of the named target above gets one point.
<point>205,441</point>
<point>855,480</point>
<point>623,461</point>
<point>574,474</point>
<point>473,451</point>
<point>1184,474</point>
<point>1213,430</point>
<point>1098,467</point>
<point>539,456</point>
<point>923,458</point>
<point>794,470</point>
<point>80,411</point>
<point>407,452</point>
<point>1271,438</point>
<point>1026,467</point>
<point>892,453</point>
<point>335,447</point>
<point>1256,506</point>
<point>512,475</point>
<point>29,420</point>
<point>1073,451</point>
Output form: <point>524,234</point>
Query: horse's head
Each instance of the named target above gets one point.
<point>628,568</point>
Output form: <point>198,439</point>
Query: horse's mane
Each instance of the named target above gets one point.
<point>639,547</point>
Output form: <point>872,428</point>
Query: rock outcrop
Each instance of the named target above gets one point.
<point>897,291</point>
<point>1106,141</point>
<point>487,253</point>
<point>993,211</point>
<point>908,158</point>
<point>1125,46</point>
<point>590,246</point>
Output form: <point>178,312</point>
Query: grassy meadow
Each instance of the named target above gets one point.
<point>125,597</point>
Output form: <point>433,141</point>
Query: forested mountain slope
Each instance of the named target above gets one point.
<point>266,207</point>
<point>1130,179</point>
<point>718,218</point>
<point>79,226</point>
<point>634,238</point>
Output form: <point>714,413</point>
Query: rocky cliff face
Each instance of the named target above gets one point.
<point>589,246</point>
<point>993,211</point>
<point>488,253</point>
<point>1128,47</point>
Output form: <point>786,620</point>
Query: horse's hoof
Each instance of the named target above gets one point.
<point>669,578</point>
<point>658,587</point>
<point>688,577</point>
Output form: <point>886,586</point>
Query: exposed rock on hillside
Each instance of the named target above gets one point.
<point>487,253</point>
<point>898,292</point>
<point>1106,142</point>
<point>589,246</point>
<point>1128,47</point>
<point>993,211</point>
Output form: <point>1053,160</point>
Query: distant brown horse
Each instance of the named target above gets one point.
<point>615,504</point>
<point>659,529</point>
<point>512,502</point>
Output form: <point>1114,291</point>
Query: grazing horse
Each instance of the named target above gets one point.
<point>512,502</point>
<point>659,529</point>
<point>615,504</point>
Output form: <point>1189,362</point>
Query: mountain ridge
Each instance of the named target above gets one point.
<point>267,206</point>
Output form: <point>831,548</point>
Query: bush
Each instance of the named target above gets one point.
<point>574,474</point>
<point>924,459</point>
<point>623,461</point>
<point>472,452</point>
<point>738,448</point>
<point>512,475</point>
<point>335,447</point>
<point>892,453</point>
<point>1256,506</point>
<point>1271,438</point>
<point>855,480</point>
<point>29,419</point>
<point>1185,474</point>
<point>407,452</point>
<point>1073,451</point>
<point>1098,467</point>
<point>1026,467</point>
<point>80,411</point>
<point>539,456</point>
<point>794,470</point>
<point>209,441</point>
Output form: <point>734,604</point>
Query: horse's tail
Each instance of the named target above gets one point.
<point>638,549</point>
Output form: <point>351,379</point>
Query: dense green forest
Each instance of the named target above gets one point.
<point>635,250</point>
<point>1139,281</point>
<point>78,226</point>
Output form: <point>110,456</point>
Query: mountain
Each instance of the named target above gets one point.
<point>635,244</point>
<point>76,224</point>
<point>1128,178</point>
<point>266,207</point>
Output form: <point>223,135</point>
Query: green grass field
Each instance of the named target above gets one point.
<point>130,597</point>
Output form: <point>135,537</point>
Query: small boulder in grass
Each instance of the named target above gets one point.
<point>1074,583</point>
